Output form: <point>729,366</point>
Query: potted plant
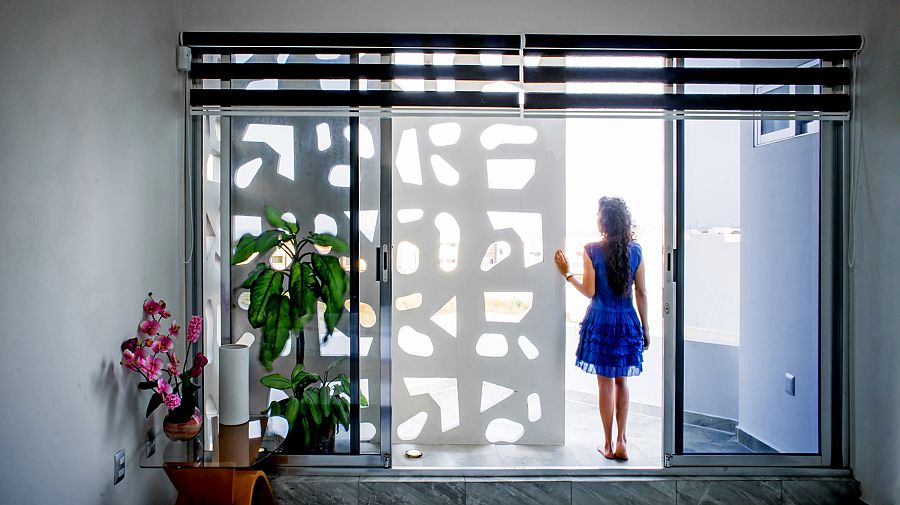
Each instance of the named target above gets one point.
<point>314,408</point>
<point>176,390</point>
<point>282,301</point>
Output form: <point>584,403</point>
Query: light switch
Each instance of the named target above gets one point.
<point>119,466</point>
<point>789,381</point>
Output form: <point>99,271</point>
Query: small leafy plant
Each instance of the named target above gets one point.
<point>285,300</point>
<point>316,401</point>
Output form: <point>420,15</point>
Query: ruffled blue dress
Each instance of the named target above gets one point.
<point>612,338</point>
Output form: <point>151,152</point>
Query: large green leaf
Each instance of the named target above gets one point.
<point>305,425</point>
<point>268,240</point>
<point>341,412</point>
<point>273,216</point>
<point>311,398</point>
<point>245,248</point>
<point>259,269</point>
<point>334,364</point>
<point>325,400</point>
<point>334,283</point>
<point>274,409</point>
<point>155,401</point>
<point>268,282</point>
<point>363,401</point>
<point>276,381</point>
<point>304,289</point>
<point>291,409</point>
<point>326,240</point>
<point>277,329</point>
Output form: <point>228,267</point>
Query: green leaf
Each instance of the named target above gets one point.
<point>245,248</point>
<point>277,329</point>
<point>146,385</point>
<point>273,216</point>
<point>296,372</point>
<point>291,409</point>
<point>335,283</point>
<point>325,400</point>
<point>327,240</point>
<point>334,364</point>
<point>305,424</point>
<point>363,401</point>
<point>260,268</point>
<point>315,410</point>
<point>345,383</point>
<point>341,411</point>
<point>267,283</point>
<point>267,240</point>
<point>276,381</point>
<point>155,401</point>
<point>310,292</point>
<point>274,409</point>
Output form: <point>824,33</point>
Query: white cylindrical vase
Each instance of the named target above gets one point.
<point>234,384</point>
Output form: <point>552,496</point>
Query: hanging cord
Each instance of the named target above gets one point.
<point>188,174</point>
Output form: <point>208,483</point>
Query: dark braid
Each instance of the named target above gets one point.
<point>615,226</point>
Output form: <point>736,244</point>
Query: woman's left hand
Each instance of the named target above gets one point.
<point>562,263</point>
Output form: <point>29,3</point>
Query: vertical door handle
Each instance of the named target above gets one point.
<point>382,263</point>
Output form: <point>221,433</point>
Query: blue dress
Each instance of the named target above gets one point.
<point>612,338</point>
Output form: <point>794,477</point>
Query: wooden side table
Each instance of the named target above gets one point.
<point>224,475</point>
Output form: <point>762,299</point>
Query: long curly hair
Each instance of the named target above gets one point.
<point>614,220</point>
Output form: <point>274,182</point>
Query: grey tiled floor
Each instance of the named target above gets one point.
<point>583,433</point>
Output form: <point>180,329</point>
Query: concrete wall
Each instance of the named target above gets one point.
<point>779,290</point>
<point>90,199</point>
<point>875,379</point>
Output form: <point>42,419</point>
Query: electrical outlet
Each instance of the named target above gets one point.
<point>119,466</point>
<point>789,383</point>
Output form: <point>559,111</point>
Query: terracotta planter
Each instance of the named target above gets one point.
<point>184,430</point>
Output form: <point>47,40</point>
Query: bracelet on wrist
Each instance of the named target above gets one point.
<point>569,275</point>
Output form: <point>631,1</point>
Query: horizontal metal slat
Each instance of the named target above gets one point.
<point>351,71</point>
<point>831,76</point>
<point>288,40</point>
<point>721,44</point>
<point>350,98</point>
<point>719,102</point>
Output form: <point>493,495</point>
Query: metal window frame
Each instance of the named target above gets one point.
<point>833,418</point>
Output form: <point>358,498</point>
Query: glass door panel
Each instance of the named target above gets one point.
<point>748,327</point>
<point>302,168</point>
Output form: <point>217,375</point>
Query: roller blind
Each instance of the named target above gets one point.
<point>525,74</point>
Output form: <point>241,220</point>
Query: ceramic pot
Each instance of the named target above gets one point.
<point>184,430</point>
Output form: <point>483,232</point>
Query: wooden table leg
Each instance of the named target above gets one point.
<point>220,486</point>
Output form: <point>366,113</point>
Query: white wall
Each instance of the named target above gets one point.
<point>90,201</point>
<point>875,455</point>
<point>779,291</point>
<point>701,17</point>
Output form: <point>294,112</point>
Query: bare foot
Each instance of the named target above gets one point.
<point>606,451</point>
<point>620,454</point>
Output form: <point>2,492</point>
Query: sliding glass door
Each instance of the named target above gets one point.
<point>753,286</point>
<point>306,173</point>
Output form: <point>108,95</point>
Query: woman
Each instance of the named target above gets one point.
<point>612,338</point>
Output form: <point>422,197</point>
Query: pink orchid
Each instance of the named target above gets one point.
<point>131,344</point>
<point>129,360</point>
<point>200,361</point>
<point>151,307</point>
<point>172,368</point>
<point>195,326</point>
<point>172,401</point>
<point>152,367</point>
<point>149,327</point>
<point>174,329</point>
<point>163,387</point>
<point>162,343</point>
